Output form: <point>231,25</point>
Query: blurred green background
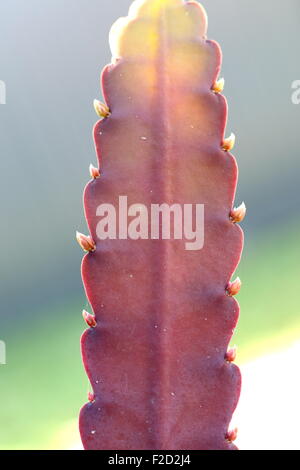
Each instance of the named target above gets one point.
<point>51,56</point>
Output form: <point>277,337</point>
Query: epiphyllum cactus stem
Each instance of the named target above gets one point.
<point>157,353</point>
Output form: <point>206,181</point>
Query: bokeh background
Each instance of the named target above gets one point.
<point>51,56</point>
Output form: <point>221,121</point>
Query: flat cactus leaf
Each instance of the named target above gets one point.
<point>156,354</point>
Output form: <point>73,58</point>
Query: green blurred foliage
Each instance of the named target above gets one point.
<point>43,384</point>
<point>270,271</point>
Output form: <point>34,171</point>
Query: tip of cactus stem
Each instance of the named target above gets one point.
<point>231,354</point>
<point>232,435</point>
<point>102,110</point>
<point>91,397</point>
<point>238,213</point>
<point>89,319</point>
<point>234,287</point>
<point>86,242</point>
<point>219,85</point>
<point>94,172</point>
<point>229,143</point>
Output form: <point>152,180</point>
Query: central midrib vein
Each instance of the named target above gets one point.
<point>164,106</point>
